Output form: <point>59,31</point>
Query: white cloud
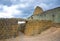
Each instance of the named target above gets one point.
<point>44,6</point>
<point>22,5</point>
<point>5,15</point>
<point>25,4</point>
<point>27,1</point>
<point>8,12</point>
<point>13,0</point>
<point>11,9</point>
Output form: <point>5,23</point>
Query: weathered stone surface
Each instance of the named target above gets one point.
<point>8,31</point>
<point>52,15</point>
<point>38,10</point>
<point>34,27</point>
<point>8,28</point>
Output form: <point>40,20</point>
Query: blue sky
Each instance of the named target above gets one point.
<point>24,8</point>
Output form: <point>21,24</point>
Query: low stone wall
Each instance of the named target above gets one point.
<point>8,31</point>
<point>34,27</point>
<point>8,28</point>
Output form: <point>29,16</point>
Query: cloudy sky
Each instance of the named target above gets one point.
<point>24,8</point>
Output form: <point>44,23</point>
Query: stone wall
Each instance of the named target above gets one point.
<point>38,10</point>
<point>52,15</point>
<point>34,27</point>
<point>8,28</point>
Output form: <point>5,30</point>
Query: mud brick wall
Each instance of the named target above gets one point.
<point>8,28</point>
<point>34,27</point>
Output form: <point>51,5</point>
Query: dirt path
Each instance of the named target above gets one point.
<point>52,34</point>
